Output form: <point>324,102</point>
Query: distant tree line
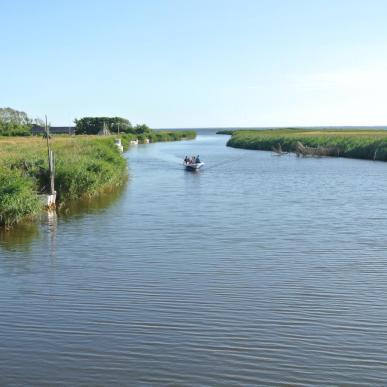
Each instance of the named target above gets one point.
<point>16,123</point>
<point>94,125</point>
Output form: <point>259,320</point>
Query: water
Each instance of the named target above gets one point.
<point>258,270</point>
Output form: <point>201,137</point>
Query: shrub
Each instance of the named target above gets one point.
<point>18,197</point>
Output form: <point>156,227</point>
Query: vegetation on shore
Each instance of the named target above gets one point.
<point>16,123</point>
<point>18,199</point>
<point>94,125</point>
<point>157,136</point>
<point>164,135</point>
<point>85,165</point>
<point>226,131</point>
<point>359,144</point>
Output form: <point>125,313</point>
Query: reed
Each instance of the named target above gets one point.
<point>172,135</point>
<point>359,144</point>
<point>18,199</point>
<point>157,136</point>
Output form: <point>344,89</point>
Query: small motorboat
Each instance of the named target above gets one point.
<point>192,166</point>
<point>193,163</point>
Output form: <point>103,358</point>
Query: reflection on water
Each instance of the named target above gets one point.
<point>50,218</point>
<point>15,248</point>
<point>19,237</point>
<point>94,204</point>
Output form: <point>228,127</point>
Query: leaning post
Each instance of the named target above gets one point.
<point>51,164</point>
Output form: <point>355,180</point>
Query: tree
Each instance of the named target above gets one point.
<point>14,122</point>
<point>15,117</point>
<point>38,122</point>
<point>92,125</point>
<point>139,129</point>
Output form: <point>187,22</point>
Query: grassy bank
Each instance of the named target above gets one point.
<point>85,165</point>
<point>159,136</point>
<point>18,199</point>
<point>359,144</point>
<point>226,131</point>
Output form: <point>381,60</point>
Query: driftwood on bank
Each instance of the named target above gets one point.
<point>303,150</point>
<point>278,150</point>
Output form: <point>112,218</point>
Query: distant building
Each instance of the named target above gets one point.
<point>54,130</point>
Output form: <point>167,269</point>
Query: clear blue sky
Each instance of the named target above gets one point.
<point>197,63</point>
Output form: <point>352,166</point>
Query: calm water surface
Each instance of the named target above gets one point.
<point>258,270</point>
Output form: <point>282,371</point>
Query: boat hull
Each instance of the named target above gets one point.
<point>193,167</point>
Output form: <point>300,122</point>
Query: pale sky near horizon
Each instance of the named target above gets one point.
<point>197,63</point>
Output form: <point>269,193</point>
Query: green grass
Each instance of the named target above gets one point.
<point>11,129</point>
<point>157,136</point>
<point>84,166</point>
<point>226,131</point>
<point>359,144</point>
<point>18,199</point>
<point>88,166</point>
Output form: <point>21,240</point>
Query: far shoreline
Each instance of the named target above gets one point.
<point>366,144</point>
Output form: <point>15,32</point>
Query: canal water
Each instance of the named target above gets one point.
<point>258,270</point>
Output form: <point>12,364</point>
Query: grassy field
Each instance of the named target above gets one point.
<point>85,165</point>
<point>359,144</point>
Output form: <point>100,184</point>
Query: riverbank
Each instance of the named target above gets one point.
<point>157,136</point>
<point>357,144</point>
<point>85,166</point>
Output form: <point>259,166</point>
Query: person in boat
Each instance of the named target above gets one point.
<point>186,159</point>
<point>197,160</point>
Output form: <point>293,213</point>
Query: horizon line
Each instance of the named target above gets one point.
<point>274,127</point>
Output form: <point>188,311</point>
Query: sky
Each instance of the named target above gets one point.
<point>197,63</point>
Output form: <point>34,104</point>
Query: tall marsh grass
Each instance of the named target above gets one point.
<point>159,136</point>
<point>359,144</point>
<point>84,166</point>
<point>18,198</point>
